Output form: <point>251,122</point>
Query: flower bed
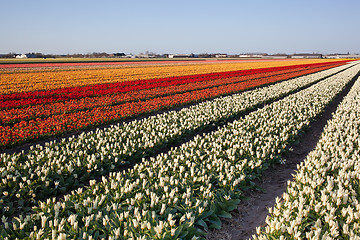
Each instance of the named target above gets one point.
<point>16,82</point>
<point>63,94</point>
<point>323,200</point>
<point>26,131</point>
<point>176,194</point>
<point>116,144</point>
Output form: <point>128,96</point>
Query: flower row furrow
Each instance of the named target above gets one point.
<point>190,187</point>
<point>8,116</point>
<point>322,202</point>
<point>57,124</point>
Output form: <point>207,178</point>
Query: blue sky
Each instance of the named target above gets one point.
<point>186,26</point>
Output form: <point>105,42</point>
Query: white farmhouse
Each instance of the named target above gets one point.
<point>21,56</point>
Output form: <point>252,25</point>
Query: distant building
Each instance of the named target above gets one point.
<point>221,55</point>
<point>204,55</point>
<point>276,56</point>
<point>180,55</point>
<point>252,55</point>
<point>142,55</point>
<point>306,55</point>
<point>119,54</point>
<point>21,56</point>
<point>343,56</point>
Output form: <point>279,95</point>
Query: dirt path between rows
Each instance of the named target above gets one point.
<point>252,212</point>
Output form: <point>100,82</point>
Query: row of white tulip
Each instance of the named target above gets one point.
<point>58,167</point>
<point>323,201</point>
<point>176,194</point>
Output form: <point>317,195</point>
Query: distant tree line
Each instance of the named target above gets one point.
<point>28,55</point>
<point>76,55</point>
<point>95,55</point>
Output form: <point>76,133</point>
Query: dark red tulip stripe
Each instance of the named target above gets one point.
<point>57,124</point>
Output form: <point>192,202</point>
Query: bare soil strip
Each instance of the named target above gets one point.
<point>252,212</point>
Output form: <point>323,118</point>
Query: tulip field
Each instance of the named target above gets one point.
<point>323,200</point>
<point>166,151</point>
<point>27,116</point>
